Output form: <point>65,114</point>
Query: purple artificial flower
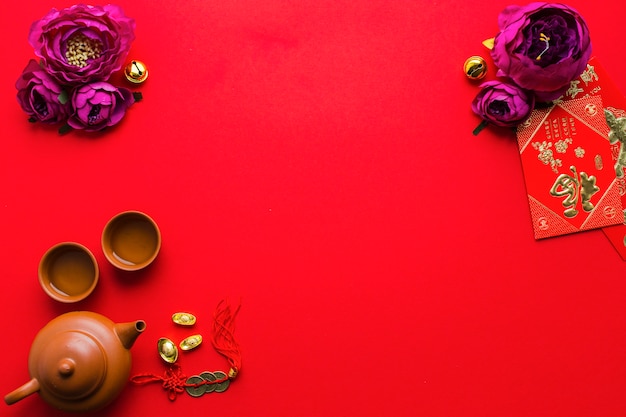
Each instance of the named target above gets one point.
<point>82,44</point>
<point>503,103</point>
<point>99,105</point>
<point>542,47</point>
<point>40,96</point>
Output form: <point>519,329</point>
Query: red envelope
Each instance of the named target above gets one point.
<point>568,161</point>
<point>598,83</point>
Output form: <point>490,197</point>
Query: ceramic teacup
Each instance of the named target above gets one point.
<point>68,272</point>
<point>131,240</point>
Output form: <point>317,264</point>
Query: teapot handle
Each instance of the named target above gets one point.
<point>22,392</point>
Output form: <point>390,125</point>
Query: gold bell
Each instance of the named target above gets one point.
<point>136,72</point>
<point>475,67</point>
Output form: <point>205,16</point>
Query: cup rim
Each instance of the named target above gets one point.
<point>45,282</point>
<point>106,246</point>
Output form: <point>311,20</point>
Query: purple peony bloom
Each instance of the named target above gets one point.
<point>99,105</point>
<point>82,44</point>
<point>503,104</point>
<point>41,96</point>
<point>542,47</point>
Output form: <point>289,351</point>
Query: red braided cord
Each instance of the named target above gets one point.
<point>172,381</point>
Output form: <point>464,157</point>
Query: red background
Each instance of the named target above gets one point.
<point>315,160</point>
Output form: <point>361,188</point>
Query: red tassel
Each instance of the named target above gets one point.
<point>223,337</point>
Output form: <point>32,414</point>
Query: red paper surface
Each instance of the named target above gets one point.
<point>315,161</point>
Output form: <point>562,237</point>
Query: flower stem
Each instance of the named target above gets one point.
<point>480,127</point>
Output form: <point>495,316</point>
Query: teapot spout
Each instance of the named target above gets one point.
<point>22,392</point>
<point>128,332</point>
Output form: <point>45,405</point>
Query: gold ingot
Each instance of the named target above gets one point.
<point>475,67</point>
<point>167,350</point>
<point>191,342</point>
<point>184,319</point>
<point>136,72</point>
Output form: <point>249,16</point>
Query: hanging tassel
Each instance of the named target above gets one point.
<point>223,337</point>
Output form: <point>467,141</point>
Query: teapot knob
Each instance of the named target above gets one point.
<point>73,367</point>
<point>66,367</point>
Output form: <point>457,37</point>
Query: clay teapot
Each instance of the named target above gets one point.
<point>79,361</point>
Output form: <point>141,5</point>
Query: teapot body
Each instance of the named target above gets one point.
<point>80,361</point>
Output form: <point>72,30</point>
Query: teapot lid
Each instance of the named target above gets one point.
<point>73,366</point>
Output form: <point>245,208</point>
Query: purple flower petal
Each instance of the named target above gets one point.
<point>102,97</point>
<point>98,105</point>
<point>50,35</point>
<point>37,94</point>
<point>542,47</point>
<point>503,103</point>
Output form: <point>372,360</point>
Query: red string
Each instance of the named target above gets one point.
<point>172,381</point>
<point>223,337</point>
<point>207,382</point>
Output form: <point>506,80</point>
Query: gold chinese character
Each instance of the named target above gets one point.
<point>589,74</point>
<point>573,188</point>
<point>574,89</point>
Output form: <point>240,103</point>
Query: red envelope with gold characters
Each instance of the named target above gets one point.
<point>596,82</point>
<point>568,163</point>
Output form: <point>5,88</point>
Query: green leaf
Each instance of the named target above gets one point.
<point>63,97</point>
<point>64,129</point>
<point>137,96</point>
<point>32,120</point>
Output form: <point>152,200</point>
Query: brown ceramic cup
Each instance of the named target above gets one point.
<point>68,272</point>
<point>131,240</point>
